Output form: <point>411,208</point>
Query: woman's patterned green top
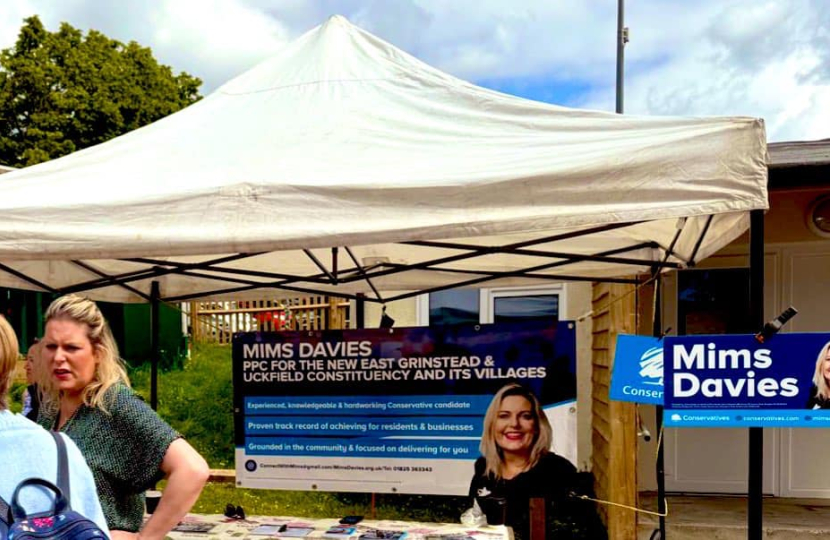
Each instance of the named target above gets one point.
<point>124,447</point>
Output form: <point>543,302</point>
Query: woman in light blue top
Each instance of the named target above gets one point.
<point>27,450</point>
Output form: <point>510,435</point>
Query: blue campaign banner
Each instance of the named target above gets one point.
<point>395,426</point>
<point>386,405</point>
<point>638,370</point>
<point>314,408</point>
<point>735,381</point>
<point>363,448</point>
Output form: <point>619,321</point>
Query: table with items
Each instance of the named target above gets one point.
<point>264,527</point>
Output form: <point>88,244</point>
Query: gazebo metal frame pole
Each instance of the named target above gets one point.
<point>755,509</point>
<point>155,342</point>
<point>657,331</point>
<point>360,323</point>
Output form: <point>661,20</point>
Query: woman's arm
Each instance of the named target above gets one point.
<point>186,472</point>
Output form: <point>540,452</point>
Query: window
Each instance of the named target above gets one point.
<point>455,306</point>
<point>511,304</point>
<point>516,308</point>
<point>508,304</point>
<point>713,301</point>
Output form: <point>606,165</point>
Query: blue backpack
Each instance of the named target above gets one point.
<point>59,523</point>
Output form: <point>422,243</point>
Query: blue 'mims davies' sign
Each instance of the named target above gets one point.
<point>735,381</point>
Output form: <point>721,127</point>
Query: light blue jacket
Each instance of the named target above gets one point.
<point>26,451</point>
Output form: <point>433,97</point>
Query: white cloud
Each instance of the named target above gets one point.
<point>478,39</point>
<point>218,38</point>
<point>212,39</point>
<point>749,58</point>
<point>766,58</point>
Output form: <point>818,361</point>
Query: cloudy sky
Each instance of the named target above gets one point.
<point>764,58</point>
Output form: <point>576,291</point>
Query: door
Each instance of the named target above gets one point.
<point>700,460</point>
<point>716,460</point>
<point>806,285</point>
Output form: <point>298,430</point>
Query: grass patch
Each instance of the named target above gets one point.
<point>16,397</point>
<point>315,504</point>
<point>198,401</point>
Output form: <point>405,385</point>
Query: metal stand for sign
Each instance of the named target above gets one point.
<point>657,331</point>
<point>660,532</point>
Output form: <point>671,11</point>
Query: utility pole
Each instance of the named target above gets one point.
<point>622,39</point>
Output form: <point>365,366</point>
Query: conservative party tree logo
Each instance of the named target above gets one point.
<point>638,370</point>
<point>651,366</point>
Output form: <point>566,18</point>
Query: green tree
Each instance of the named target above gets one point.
<point>63,91</point>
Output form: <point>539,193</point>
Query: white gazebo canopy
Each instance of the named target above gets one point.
<point>343,158</point>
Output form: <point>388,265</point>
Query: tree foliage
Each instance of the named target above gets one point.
<point>63,91</point>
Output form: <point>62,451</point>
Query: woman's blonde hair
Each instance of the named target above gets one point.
<point>542,439</point>
<point>822,388</point>
<point>109,369</point>
<point>8,360</point>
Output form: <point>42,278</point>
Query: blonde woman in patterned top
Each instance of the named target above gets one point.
<point>28,451</point>
<point>127,446</point>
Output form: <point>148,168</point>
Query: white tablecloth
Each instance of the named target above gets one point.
<point>226,528</point>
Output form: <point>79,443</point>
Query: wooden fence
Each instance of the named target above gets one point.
<point>215,322</point>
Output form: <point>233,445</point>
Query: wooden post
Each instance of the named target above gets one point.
<point>537,518</point>
<point>335,315</point>
<point>623,452</point>
<point>613,422</point>
<point>194,323</point>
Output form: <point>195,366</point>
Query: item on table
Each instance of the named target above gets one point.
<point>151,500</point>
<point>380,534</point>
<point>194,527</point>
<point>296,532</point>
<point>268,529</point>
<point>351,520</point>
<point>339,532</point>
<point>234,512</point>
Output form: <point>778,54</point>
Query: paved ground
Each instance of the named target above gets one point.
<point>724,518</point>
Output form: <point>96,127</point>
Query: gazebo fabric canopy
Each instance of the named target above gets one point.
<point>343,158</point>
